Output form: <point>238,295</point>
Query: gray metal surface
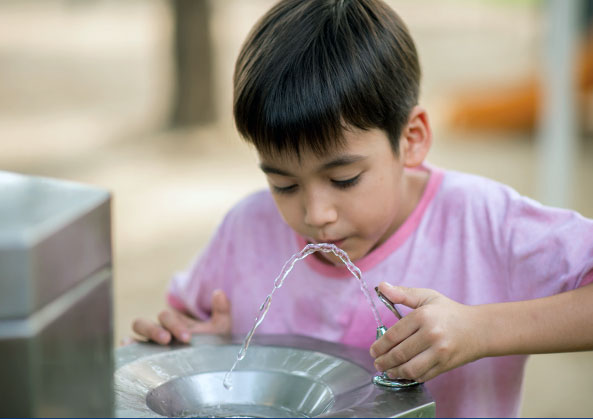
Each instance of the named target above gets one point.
<point>53,234</point>
<point>281,376</point>
<point>65,368</point>
<point>56,332</point>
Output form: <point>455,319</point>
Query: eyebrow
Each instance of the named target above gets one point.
<point>337,162</point>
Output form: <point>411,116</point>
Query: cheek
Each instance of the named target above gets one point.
<point>289,210</point>
<point>373,219</point>
<point>375,210</point>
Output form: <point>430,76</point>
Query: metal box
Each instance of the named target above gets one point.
<point>56,326</point>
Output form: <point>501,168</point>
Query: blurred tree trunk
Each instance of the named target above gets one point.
<point>194,98</point>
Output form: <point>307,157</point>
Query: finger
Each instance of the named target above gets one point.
<point>220,319</point>
<point>173,322</point>
<point>402,353</point>
<point>395,335</point>
<point>151,331</point>
<point>416,368</point>
<point>203,327</point>
<point>430,374</point>
<point>410,297</point>
<point>186,321</point>
<point>221,312</point>
<point>221,306</point>
<point>440,366</point>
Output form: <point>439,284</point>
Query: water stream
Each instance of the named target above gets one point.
<point>263,309</point>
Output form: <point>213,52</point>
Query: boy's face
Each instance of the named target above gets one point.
<point>355,197</point>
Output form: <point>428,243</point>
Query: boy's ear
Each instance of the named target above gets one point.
<point>416,137</point>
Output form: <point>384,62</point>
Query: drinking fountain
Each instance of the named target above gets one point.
<point>56,334</point>
<point>280,376</point>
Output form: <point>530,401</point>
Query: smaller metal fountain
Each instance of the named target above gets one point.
<point>282,376</point>
<point>383,379</point>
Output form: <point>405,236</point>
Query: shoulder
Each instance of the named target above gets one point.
<point>498,208</point>
<point>470,194</point>
<point>482,210</point>
<point>481,193</point>
<point>475,188</point>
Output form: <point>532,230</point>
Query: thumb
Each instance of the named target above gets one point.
<point>221,312</point>
<point>410,297</point>
<point>221,306</point>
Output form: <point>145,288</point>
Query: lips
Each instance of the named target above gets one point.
<point>337,242</point>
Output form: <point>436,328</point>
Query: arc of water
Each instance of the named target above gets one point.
<point>279,281</point>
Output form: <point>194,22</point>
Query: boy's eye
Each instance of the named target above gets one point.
<point>284,189</point>
<point>348,183</point>
<point>341,184</point>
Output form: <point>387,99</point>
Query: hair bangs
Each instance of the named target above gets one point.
<point>312,69</point>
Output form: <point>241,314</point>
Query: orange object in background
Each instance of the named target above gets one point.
<point>514,108</point>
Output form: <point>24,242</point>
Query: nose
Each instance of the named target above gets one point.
<point>319,209</point>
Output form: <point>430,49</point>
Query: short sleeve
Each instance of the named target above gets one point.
<point>191,291</point>
<point>550,250</point>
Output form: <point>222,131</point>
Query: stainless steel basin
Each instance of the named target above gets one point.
<point>281,376</point>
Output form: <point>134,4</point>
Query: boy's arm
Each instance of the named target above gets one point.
<point>441,334</point>
<point>559,323</point>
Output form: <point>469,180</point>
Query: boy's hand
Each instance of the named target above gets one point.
<point>180,326</point>
<point>439,335</point>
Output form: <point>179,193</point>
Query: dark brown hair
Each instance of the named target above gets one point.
<point>311,68</point>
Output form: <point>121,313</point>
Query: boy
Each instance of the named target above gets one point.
<point>327,91</point>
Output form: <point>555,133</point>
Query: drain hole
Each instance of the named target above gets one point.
<point>254,394</point>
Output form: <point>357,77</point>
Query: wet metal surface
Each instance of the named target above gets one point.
<point>281,376</point>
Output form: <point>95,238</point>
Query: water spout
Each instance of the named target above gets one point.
<point>383,379</point>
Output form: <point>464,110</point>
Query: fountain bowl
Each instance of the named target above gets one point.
<point>280,376</point>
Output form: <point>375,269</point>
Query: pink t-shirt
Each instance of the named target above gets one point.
<point>472,239</point>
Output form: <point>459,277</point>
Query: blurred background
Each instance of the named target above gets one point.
<point>135,96</point>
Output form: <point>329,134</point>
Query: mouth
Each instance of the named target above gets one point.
<point>337,242</point>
